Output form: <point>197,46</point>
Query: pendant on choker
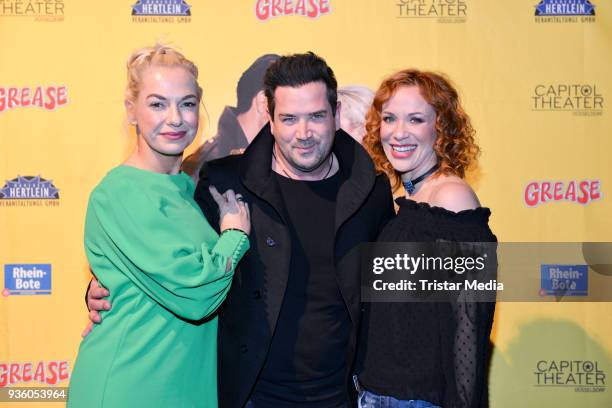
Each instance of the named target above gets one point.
<point>410,184</point>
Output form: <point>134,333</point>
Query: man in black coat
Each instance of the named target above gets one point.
<point>289,325</point>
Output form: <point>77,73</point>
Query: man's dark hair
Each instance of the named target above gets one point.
<point>297,70</point>
<point>251,81</point>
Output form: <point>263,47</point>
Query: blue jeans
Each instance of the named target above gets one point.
<point>368,399</point>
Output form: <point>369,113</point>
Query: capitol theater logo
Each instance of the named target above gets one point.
<point>564,280</point>
<point>565,11</point>
<point>39,10</point>
<point>582,375</point>
<point>161,11</point>
<point>27,279</point>
<point>30,191</point>
<point>267,9</point>
<point>445,11</point>
<point>582,99</point>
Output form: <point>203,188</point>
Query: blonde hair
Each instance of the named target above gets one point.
<point>158,55</point>
<point>355,101</point>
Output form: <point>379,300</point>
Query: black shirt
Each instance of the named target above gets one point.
<point>437,352</point>
<point>306,364</point>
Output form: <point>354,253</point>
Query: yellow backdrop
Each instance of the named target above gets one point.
<point>536,87</point>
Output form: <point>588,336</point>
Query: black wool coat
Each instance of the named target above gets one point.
<point>248,317</point>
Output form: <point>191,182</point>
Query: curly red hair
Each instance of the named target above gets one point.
<point>454,146</point>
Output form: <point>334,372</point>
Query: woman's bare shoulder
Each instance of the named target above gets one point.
<point>454,194</point>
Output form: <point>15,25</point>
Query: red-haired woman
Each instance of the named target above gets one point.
<point>421,355</point>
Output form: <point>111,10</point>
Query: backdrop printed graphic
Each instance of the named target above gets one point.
<point>535,86</point>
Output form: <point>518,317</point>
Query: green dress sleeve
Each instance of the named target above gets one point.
<point>146,237</point>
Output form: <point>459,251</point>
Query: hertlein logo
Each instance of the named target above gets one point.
<point>39,10</point>
<point>267,9</point>
<point>581,99</point>
<point>161,11</point>
<point>29,191</point>
<point>27,279</point>
<point>45,97</point>
<point>581,375</point>
<point>564,11</point>
<point>445,11</point>
<point>578,192</point>
<point>564,280</point>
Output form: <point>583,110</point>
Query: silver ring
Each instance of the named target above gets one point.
<point>239,198</point>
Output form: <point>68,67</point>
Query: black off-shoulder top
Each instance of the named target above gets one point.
<point>437,352</point>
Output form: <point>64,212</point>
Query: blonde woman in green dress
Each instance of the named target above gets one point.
<point>148,243</point>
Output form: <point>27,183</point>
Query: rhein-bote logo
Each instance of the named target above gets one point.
<point>27,279</point>
<point>442,11</point>
<point>564,280</point>
<point>582,99</point>
<point>29,191</point>
<point>267,9</point>
<point>39,10</point>
<point>582,375</point>
<point>564,11</point>
<point>161,11</point>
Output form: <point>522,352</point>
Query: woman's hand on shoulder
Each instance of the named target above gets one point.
<point>454,195</point>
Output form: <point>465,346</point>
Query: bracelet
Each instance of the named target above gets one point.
<point>234,229</point>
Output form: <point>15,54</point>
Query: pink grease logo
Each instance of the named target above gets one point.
<point>580,192</point>
<point>267,9</point>
<point>45,97</point>
<point>44,372</point>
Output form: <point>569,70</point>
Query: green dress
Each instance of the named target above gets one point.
<point>149,244</point>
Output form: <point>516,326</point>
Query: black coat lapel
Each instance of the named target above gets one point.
<point>256,171</point>
<point>358,168</point>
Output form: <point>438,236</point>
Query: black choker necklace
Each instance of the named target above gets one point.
<point>331,164</point>
<point>410,184</point>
